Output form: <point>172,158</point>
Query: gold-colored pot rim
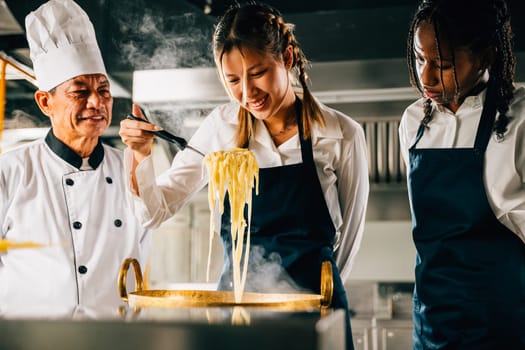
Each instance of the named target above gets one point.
<point>206,298</point>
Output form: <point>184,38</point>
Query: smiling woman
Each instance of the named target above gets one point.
<point>260,82</point>
<point>313,173</point>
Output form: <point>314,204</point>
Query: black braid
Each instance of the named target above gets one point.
<point>488,28</point>
<point>503,69</point>
<point>427,110</point>
<point>424,11</point>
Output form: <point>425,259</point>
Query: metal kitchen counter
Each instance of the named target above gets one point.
<point>174,328</point>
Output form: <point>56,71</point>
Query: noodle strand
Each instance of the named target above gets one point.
<point>234,171</point>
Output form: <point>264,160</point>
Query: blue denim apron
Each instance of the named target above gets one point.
<point>290,218</point>
<point>470,269</point>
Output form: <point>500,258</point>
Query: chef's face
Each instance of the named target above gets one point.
<point>448,79</point>
<point>258,81</point>
<point>78,108</point>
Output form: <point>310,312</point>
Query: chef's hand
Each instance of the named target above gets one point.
<point>136,136</point>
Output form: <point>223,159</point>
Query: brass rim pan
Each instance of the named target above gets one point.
<point>202,298</point>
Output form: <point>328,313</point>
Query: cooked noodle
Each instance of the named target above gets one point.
<point>240,316</point>
<point>234,171</point>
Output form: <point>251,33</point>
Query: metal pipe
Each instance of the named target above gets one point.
<point>6,59</point>
<point>4,62</point>
<point>3,68</point>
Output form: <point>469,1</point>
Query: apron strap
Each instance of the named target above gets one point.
<point>486,122</point>
<point>488,115</point>
<point>420,132</point>
<point>306,145</point>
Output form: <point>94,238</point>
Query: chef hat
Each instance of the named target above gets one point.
<point>62,43</point>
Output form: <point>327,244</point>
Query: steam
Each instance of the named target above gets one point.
<point>181,120</point>
<point>266,274</point>
<point>20,119</point>
<point>155,40</point>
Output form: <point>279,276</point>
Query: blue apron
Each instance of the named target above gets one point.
<point>290,218</point>
<point>470,269</point>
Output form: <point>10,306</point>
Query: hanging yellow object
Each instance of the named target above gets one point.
<point>4,61</point>
<point>6,245</point>
<point>3,69</point>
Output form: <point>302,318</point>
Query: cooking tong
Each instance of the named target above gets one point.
<point>163,134</point>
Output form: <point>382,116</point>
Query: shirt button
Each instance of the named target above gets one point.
<point>109,180</point>
<point>77,225</point>
<point>70,182</point>
<point>118,223</point>
<point>82,269</point>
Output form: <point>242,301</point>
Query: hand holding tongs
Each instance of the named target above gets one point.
<point>163,134</point>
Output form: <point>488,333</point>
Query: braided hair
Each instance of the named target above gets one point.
<point>478,25</point>
<point>260,27</point>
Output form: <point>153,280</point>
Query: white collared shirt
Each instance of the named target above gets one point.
<point>339,152</point>
<point>504,175</point>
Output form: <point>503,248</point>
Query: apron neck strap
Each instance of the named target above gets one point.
<point>420,132</point>
<point>488,116</point>
<point>306,145</point>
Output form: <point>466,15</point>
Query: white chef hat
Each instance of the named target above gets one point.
<point>62,43</point>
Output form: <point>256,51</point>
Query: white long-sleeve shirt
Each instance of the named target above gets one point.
<point>504,173</point>
<point>340,156</point>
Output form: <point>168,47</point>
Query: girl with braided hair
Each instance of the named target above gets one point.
<point>463,143</point>
<point>313,172</point>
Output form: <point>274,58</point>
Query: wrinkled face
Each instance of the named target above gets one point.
<point>443,77</point>
<point>259,82</point>
<point>80,107</point>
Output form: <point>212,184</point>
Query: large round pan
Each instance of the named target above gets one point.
<point>206,298</point>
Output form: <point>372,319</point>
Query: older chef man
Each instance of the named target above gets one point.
<point>66,191</point>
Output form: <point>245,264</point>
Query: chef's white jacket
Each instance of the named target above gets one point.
<point>339,152</point>
<point>84,216</point>
<point>504,168</point>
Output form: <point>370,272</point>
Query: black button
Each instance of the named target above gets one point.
<point>70,182</point>
<point>77,225</point>
<point>118,223</point>
<point>109,180</point>
<point>82,269</point>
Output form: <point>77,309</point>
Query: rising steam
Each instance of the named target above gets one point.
<point>153,39</point>
<point>266,274</point>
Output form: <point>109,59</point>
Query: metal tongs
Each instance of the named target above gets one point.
<point>163,134</point>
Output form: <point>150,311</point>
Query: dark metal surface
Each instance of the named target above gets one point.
<point>180,329</point>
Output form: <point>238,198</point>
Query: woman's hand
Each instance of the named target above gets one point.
<point>136,135</point>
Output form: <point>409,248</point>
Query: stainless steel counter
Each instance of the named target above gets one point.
<point>171,328</point>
